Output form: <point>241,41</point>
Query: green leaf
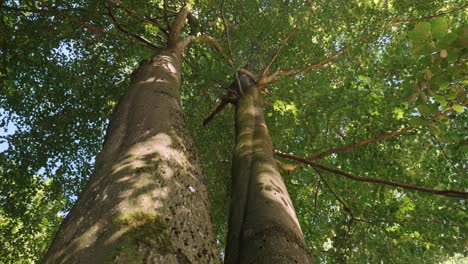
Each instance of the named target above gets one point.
<point>451,95</point>
<point>458,108</point>
<point>417,122</point>
<point>398,113</point>
<point>435,130</point>
<point>439,27</point>
<point>420,48</point>
<point>447,40</point>
<point>464,148</point>
<point>442,83</point>
<point>424,110</point>
<point>420,32</point>
<point>439,98</point>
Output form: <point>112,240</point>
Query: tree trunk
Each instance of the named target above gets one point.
<point>147,201</point>
<point>263,226</point>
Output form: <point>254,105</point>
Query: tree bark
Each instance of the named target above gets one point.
<point>147,201</point>
<point>263,227</point>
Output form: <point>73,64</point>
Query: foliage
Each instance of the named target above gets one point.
<point>65,63</point>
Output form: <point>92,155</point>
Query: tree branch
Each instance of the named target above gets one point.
<point>325,62</point>
<point>448,193</point>
<point>345,206</point>
<point>176,28</point>
<point>124,30</point>
<point>368,141</point>
<point>42,9</point>
<point>226,32</point>
<point>206,39</point>
<point>361,143</point>
<point>136,15</point>
<point>273,58</point>
<point>443,151</point>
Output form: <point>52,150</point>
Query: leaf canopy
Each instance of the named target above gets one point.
<point>392,65</point>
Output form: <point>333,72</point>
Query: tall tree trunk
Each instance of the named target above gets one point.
<point>263,226</point>
<point>147,201</point>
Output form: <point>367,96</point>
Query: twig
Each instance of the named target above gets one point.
<point>324,63</point>
<point>142,18</point>
<point>226,32</point>
<point>371,140</point>
<point>224,102</point>
<point>345,206</point>
<point>448,193</point>
<point>124,30</point>
<point>361,143</point>
<point>443,150</point>
<point>273,58</point>
<point>206,39</point>
<point>42,10</point>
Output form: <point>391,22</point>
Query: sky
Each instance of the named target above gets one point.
<point>9,129</point>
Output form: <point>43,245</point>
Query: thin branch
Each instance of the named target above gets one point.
<point>239,85</point>
<point>361,143</point>
<point>345,205</point>
<point>448,193</point>
<point>273,58</point>
<point>138,16</point>
<point>203,38</point>
<point>325,62</point>
<point>249,74</point>
<point>370,140</point>
<point>443,150</point>
<point>42,10</point>
<point>226,32</point>
<point>224,102</point>
<point>124,30</point>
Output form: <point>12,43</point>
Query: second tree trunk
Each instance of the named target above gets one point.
<point>263,226</point>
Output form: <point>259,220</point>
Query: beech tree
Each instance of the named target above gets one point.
<point>146,201</point>
<point>364,103</point>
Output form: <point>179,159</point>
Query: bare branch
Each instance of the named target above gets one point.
<point>345,205</point>
<point>325,62</point>
<point>448,193</point>
<point>124,30</point>
<point>138,16</point>
<point>361,143</point>
<point>443,151</point>
<point>370,140</point>
<point>226,32</point>
<point>206,39</point>
<point>224,102</point>
<point>249,74</point>
<point>273,58</point>
<point>45,10</point>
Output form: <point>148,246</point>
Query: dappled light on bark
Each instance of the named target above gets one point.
<point>147,184</point>
<point>263,226</point>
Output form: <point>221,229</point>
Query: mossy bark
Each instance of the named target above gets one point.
<point>147,201</point>
<point>263,226</point>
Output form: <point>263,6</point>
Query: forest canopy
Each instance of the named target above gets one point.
<point>366,106</point>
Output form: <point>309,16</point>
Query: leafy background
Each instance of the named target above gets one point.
<point>64,65</point>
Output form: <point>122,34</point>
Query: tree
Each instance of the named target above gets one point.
<point>147,182</point>
<point>371,91</point>
<point>263,226</point>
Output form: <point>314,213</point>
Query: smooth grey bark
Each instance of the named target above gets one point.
<point>147,201</point>
<point>263,227</point>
